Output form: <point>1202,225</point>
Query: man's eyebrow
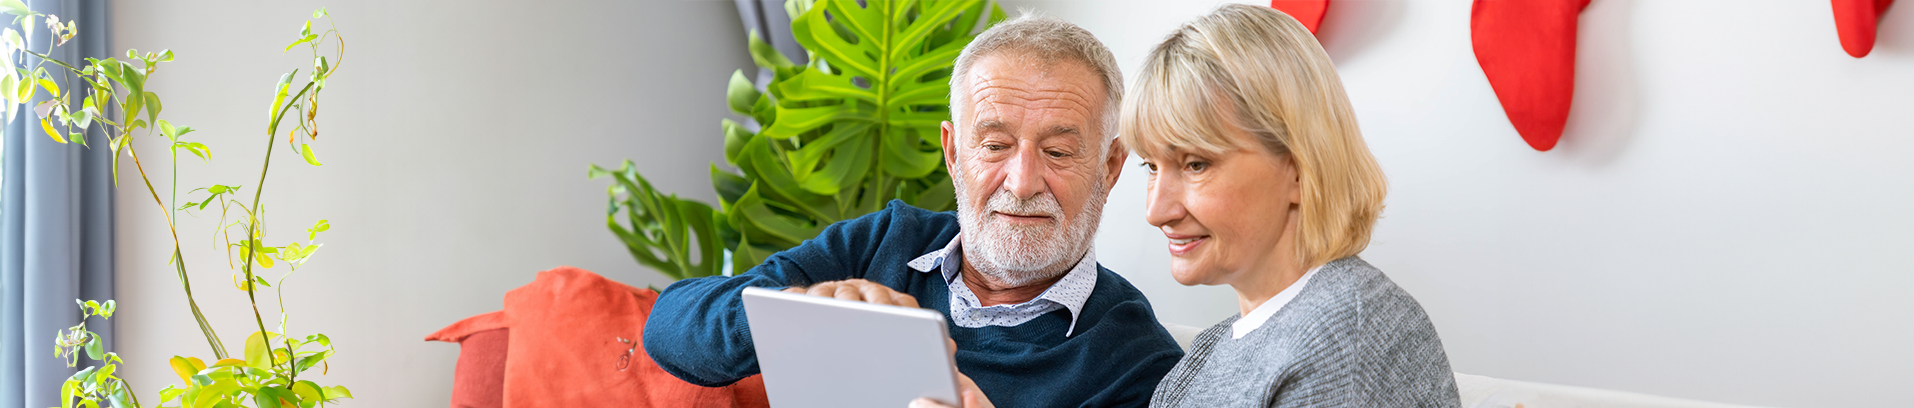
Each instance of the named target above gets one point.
<point>1060,130</point>
<point>989,125</point>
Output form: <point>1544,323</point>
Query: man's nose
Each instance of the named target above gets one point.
<point>1024,173</point>
<point>1165,201</point>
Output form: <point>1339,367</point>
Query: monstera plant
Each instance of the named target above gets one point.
<point>829,140</point>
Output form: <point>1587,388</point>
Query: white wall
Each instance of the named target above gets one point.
<point>1725,218</point>
<point>455,144</point>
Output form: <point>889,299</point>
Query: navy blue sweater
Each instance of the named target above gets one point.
<point>698,331</point>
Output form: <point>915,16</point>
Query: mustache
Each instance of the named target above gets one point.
<point>1042,204</point>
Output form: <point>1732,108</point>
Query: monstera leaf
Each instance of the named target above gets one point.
<point>828,140</point>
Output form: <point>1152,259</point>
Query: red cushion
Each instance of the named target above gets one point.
<point>575,339</point>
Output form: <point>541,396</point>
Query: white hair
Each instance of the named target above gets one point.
<point>1049,40</point>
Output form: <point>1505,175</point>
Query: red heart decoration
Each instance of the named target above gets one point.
<point>1527,49</point>
<point>1309,12</point>
<point>1856,20</point>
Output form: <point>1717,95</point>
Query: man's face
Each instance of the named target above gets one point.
<point>1030,166</point>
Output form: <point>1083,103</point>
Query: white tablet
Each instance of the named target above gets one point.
<point>823,352</point>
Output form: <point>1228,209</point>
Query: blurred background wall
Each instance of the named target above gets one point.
<point>1724,218</point>
<point>455,141</point>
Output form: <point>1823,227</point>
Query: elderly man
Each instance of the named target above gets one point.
<point>1036,321</point>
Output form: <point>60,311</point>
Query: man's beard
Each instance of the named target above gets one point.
<point>1016,255</point>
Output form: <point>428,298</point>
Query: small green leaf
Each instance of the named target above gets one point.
<point>321,12</point>
<point>337,392</point>
<point>94,349</point>
<point>740,94</point>
<point>152,106</point>
<point>107,312</point>
<point>305,150</point>
<point>279,98</point>
<point>15,7</point>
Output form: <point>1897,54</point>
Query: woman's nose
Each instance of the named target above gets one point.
<point>1165,201</point>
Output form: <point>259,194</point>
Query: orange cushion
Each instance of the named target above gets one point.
<point>576,339</point>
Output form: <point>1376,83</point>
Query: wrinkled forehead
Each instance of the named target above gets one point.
<point>1008,89</point>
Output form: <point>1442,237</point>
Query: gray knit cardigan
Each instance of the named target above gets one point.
<point>1351,338</point>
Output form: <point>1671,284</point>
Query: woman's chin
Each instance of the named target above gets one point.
<point>1189,276</point>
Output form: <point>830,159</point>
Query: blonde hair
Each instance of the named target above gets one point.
<point>1258,70</point>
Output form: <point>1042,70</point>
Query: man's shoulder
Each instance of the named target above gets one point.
<point>900,221</point>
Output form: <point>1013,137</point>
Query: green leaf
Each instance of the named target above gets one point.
<point>279,99</point>
<point>304,39</point>
<point>317,227</point>
<point>765,55</point>
<point>47,125</point>
<point>258,352</point>
<point>186,367</point>
<point>17,8</point>
<point>152,106</point>
<point>308,391</point>
<point>337,392</point>
<point>94,349</point>
<point>740,94</point>
<point>305,150</point>
<point>107,308</point>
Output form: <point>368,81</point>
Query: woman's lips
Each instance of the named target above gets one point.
<point>1181,244</point>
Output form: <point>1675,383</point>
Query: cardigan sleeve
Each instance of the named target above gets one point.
<point>1403,363</point>
<point>698,332</point>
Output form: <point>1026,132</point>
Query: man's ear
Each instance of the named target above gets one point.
<point>1113,165</point>
<point>948,135</point>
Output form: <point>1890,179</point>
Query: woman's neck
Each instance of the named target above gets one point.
<point>1279,268</point>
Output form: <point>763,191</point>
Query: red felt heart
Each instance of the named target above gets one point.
<point>1527,49</point>
<point>1856,20</point>
<point>1309,12</point>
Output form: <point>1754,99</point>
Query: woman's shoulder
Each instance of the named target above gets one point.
<point>1351,291</point>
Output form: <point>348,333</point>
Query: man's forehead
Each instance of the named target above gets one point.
<point>1004,90</point>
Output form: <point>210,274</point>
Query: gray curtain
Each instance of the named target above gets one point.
<point>771,22</point>
<point>56,228</point>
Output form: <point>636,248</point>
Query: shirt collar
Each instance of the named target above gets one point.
<point>1262,313</point>
<point>1071,292</point>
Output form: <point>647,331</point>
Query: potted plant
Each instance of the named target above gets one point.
<point>109,93</point>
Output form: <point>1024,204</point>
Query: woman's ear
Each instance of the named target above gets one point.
<point>1295,178</point>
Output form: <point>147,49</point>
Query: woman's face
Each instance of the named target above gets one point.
<point>1226,215</point>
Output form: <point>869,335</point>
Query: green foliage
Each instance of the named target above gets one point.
<point>839,136</point>
<point>269,374</point>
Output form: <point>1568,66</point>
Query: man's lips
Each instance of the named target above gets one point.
<point>1023,217</point>
<point>1183,244</point>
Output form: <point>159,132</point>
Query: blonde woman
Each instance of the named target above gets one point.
<point>1261,181</point>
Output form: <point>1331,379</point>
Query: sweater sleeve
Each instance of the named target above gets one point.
<point>698,332</point>
<point>1402,363</point>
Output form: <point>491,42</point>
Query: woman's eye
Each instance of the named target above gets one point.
<point>1149,166</point>
<point>1197,166</point>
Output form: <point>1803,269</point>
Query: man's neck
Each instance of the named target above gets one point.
<point>990,292</point>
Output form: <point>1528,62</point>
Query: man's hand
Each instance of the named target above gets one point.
<point>858,290</point>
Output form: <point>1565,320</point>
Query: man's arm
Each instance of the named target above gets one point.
<point>697,331</point>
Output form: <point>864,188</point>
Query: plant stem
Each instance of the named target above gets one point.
<point>254,237</point>
<point>179,261</point>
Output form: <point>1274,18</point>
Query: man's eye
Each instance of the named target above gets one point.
<point>995,147</point>
<point>1057,154</point>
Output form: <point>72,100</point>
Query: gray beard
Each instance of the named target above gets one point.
<point>1019,255</point>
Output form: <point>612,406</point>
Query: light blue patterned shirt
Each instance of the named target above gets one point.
<point>966,311</point>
